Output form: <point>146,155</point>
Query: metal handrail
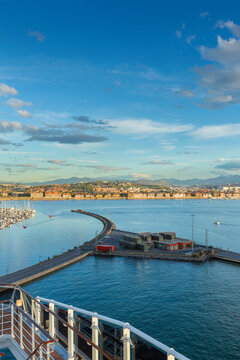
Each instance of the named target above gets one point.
<point>80,334</point>
<point>15,313</point>
<point>134,330</point>
<point>38,347</point>
<point>44,332</point>
<point>107,319</point>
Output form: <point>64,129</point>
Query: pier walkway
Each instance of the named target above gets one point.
<point>43,268</point>
<point>58,262</point>
<point>226,255</point>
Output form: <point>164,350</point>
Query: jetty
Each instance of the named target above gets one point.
<point>111,236</point>
<point>58,262</point>
<point>226,255</point>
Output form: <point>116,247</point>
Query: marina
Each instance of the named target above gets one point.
<point>12,215</point>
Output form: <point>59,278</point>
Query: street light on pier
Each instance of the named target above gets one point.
<point>206,239</point>
<point>192,231</point>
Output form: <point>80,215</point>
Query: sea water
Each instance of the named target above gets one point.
<point>193,308</point>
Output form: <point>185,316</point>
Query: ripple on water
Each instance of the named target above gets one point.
<point>193,308</point>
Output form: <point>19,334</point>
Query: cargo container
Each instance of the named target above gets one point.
<point>105,248</point>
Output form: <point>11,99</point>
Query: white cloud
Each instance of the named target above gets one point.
<point>141,176</point>
<point>168,147</point>
<point>6,90</point>
<point>218,101</point>
<point>17,103</point>
<point>57,162</point>
<point>223,77</point>
<point>38,35</point>
<point>151,75</point>
<point>178,34</point>
<point>217,131</point>
<point>184,92</point>
<point>234,28</point>
<point>204,14</point>
<point>105,168</point>
<point>10,126</point>
<point>159,162</point>
<point>146,127</point>
<point>221,99</point>
<point>219,78</point>
<point>190,38</point>
<point>227,51</point>
<point>24,113</point>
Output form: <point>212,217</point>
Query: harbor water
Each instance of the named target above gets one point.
<point>192,308</point>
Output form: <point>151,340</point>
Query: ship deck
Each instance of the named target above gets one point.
<point>40,328</point>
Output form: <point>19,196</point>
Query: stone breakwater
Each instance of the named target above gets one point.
<point>10,216</point>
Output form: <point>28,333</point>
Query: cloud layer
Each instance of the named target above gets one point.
<point>222,75</point>
<point>62,134</point>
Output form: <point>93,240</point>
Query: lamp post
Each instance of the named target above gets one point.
<point>192,231</point>
<point>206,239</point>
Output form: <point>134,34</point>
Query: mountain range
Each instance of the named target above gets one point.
<point>219,180</point>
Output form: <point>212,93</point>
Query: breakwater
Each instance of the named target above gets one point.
<point>58,262</point>
<point>37,271</point>
<point>158,256</point>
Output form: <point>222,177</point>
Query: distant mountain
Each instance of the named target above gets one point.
<point>72,180</point>
<point>150,182</point>
<point>219,180</point>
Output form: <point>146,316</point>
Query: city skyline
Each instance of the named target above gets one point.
<point>129,90</point>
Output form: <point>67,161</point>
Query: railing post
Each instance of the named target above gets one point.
<point>33,339</point>
<point>38,314</point>
<point>33,309</point>
<point>95,332</point>
<point>40,353</point>
<point>48,351</point>
<point>169,355</point>
<point>2,318</point>
<point>101,339</point>
<point>21,330</point>
<point>126,343</point>
<point>12,320</point>
<point>51,321</point>
<point>70,335</point>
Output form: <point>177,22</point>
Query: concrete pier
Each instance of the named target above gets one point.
<point>44,268</point>
<point>226,256</point>
<point>34,272</point>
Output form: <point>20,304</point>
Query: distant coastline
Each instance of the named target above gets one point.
<point>139,198</point>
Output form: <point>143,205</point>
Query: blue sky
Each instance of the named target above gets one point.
<point>119,89</point>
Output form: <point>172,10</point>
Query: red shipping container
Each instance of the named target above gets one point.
<point>105,248</point>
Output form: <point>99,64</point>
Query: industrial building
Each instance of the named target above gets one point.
<point>147,241</point>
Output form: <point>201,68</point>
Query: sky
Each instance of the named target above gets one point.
<point>119,89</point>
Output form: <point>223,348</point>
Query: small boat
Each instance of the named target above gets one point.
<point>216,222</point>
<point>24,227</point>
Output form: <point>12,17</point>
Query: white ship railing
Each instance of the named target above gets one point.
<point>74,333</point>
<point>127,330</point>
<point>34,342</point>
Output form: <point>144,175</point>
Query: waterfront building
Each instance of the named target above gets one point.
<point>36,195</point>
<point>148,241</point>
